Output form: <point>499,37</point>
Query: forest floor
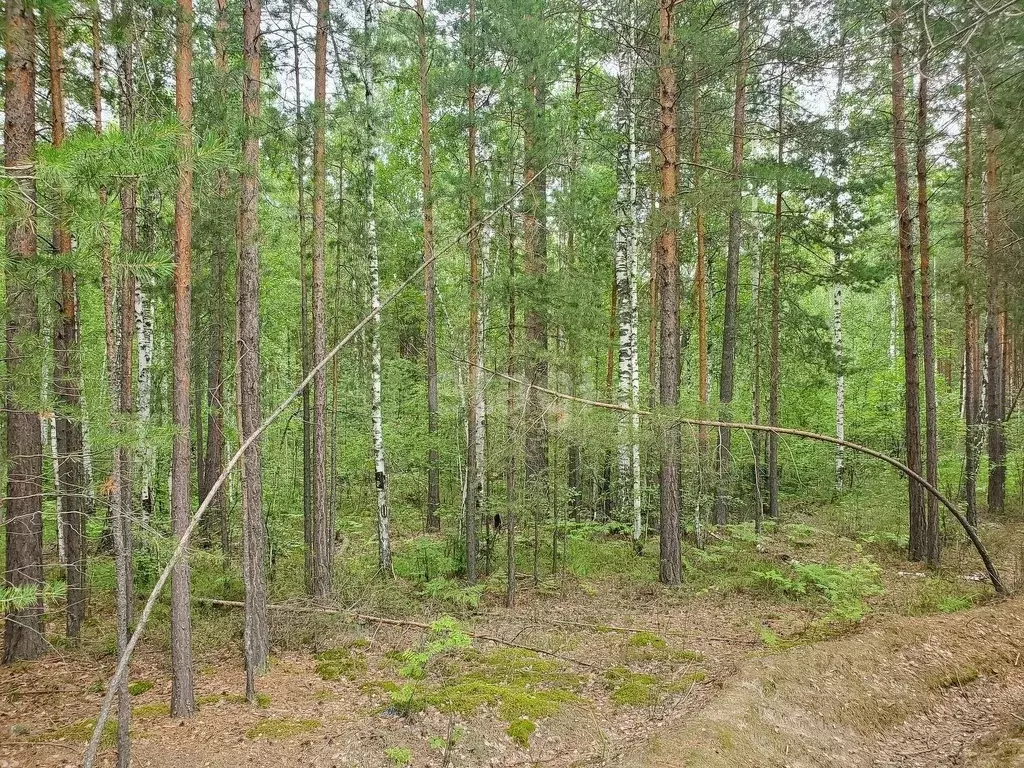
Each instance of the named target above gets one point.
<point>807,648</point>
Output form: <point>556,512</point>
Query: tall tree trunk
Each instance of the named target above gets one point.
<point>323,522</point>
<point>475,353</point>
<point>23,629</point>
<point>183,700</point>
<point>433,522</point>
<point>995,330</point>
<point>67,371</point>
<point>839,165</point>
<point>700,295</point>
<point>535,268</point>
<point>214,459</point>
<point>626,275</point>
<point>670,570</point>
<point>774,353</point>
<point>908,293</point>
<point>300,173</point>
<point>727,377</point>
<point>376,416</point>
<point>931,531</point>
<point>972,351</point>
<point>512,469</point>
<point>256,636</point>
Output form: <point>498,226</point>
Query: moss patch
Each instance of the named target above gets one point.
<point>955,678</point>
<point>631,689</point>
<point>337,663</point>
<point>280,728</point>
<point>518,684</point>
<point>82,731</point>
<point>156,709</point>
<point>139,687</point>
<point>520,732</point>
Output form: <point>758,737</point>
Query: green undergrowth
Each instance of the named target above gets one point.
<point>632,689</point>
<point>336,663</point>
<point>281,728</point>
<point>446,673</point>
<point>648,646</point>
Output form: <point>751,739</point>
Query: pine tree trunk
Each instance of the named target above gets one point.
<point>256,635</point>
<point>433,521</point>
<point>376,416</point>
<point>475,352</point>
<point>300,173</point>
<point>23,629</point>
<point>323,518</point>
<point>908,293</point>
<point>931,532</point>
<point>670,570</point>
<point>727,377</point>
<point>183,700</point>
<point>995,330</point>
<point>71,480</point>
<point>774,353</point>
<point>972,351</point>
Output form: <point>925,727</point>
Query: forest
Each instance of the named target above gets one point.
<point>512,383</point>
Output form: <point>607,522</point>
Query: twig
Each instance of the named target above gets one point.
<point>370,619</point>
<point>637,630</point>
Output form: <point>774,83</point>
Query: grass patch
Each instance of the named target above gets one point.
<point>280,728</point>
<point>955,678</point>
<point>156,709</point>
<point>139,687</point>
<point>337,663</point>
<point>632,689</point>
<point>82,732</point>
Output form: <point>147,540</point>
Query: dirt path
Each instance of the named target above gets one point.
<point>914,693</point>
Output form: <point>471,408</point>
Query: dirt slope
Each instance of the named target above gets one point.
<point>939,691</point>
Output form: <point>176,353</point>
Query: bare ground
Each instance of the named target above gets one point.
<point>944,690</point>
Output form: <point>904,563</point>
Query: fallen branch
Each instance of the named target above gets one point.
<point>182,545</point>
<point>370,619</point>
<point>993,574</point>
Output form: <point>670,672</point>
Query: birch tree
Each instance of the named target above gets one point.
<point>373,258</point>
<point>626,271</point>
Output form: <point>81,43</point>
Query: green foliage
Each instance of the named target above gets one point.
<point>846,589</point>
<point>18,598</point>
<point>445,637</point>
<point>398,755</point>
<point>453,593</point>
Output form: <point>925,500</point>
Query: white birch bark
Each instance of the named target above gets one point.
<point>144,315</point>
<point>373,256</point>
<point>837,289</point>
<point>892,327</point>
<point>626,273</point>
<point>838,349</point>
<point>48,432</point>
